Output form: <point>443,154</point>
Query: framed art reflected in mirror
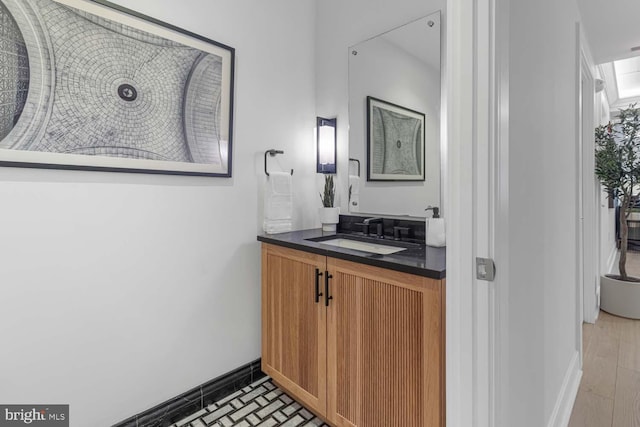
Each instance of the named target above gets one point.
<point>395,142</point>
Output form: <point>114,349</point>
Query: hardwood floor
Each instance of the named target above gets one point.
<point>609,394</point>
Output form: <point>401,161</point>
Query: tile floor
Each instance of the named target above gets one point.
<point>259,404</point>
<point>609,394</point>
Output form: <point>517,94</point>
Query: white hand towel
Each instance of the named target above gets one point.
<point>436,232</point>
<point>278,203</point>
<point>354,199</point>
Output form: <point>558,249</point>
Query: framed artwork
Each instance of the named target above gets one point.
<point>94,86</point>
<point>395,142</point>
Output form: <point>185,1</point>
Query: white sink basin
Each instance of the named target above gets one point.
<point>363,246</point>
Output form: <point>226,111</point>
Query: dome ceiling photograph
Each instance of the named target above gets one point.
<point>83,85</point>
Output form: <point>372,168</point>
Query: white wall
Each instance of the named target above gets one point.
<point>542,317</point>
<point>120,291</point>
<point>417,88</point>
<point>340,25</point>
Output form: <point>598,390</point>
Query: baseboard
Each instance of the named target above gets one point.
<point>567,396</point>
<point>196,399</point>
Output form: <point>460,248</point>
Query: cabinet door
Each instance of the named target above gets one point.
<point>294,324</point>
<point>385,348</point>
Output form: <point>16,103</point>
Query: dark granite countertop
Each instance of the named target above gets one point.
<point>417,259</point>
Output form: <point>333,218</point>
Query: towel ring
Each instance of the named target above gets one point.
<point>358,162</point>
<point>271,153</point>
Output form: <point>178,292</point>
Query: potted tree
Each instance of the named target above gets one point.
<point>329,215</point>
<point>617,161</point>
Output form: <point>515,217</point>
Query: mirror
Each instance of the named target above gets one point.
<point>394,120</point>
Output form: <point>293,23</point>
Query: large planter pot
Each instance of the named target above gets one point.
<point>620,297</point>
<point>329,217</point>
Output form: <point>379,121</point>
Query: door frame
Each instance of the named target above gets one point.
<point>588,205</point>
<point>476,188</point>
<point>477,206</point>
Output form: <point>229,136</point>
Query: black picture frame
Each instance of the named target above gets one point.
<point>395,142</point>
<point>173,117</point>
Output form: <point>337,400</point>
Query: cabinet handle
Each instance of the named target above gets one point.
<point>318,293</point>
<point>327,297</point>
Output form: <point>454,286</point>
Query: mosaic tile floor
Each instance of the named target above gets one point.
<point>259,404</point>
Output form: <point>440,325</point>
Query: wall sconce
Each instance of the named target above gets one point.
<point>327,139</point>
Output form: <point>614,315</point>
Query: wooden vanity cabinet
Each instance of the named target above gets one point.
<point>294,331</point>
<point>374,356</point>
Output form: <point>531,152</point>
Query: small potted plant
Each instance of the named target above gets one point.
<point>618,169</point>
<point>329,215</point>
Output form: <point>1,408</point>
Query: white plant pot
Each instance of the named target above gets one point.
<point>619,297</point>
<point>329,217</point>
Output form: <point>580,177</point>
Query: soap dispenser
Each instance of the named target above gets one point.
<point>434,229</point>
<point>436,214</point>
<point>435,209</point>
